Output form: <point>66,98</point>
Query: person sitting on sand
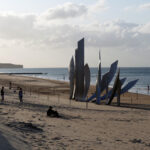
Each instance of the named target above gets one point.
<point>2,93</point>
<point>52,113</point>
<point>20,95</point>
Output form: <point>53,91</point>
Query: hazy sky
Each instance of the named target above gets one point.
<point>44,33</point>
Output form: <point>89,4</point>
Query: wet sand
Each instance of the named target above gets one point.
<point>81,126</point>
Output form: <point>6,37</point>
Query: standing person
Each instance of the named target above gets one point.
<point>20,95</point>
<point>148,88</point>
<point>2,93</point>
<point>10,85</point>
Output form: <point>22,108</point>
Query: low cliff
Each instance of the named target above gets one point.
<point>8,65</point>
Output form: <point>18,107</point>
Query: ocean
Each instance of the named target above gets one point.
<point>141,73</point>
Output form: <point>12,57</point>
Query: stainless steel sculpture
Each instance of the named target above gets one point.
<point>80,81</point>
<point>79,76</point>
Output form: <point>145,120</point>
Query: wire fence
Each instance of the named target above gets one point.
<point>56,96</point>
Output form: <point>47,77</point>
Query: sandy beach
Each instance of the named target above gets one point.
<point>80,126</point>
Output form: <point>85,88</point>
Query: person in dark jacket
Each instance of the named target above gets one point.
<point>2,93</point>
<point>20,95</point>
<point>52,113</point>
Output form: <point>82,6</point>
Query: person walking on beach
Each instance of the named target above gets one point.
<point>2,93</point>
<point>20,95</point>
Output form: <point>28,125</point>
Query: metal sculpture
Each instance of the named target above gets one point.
<point>125,89</point>
<point>79,85</point>
<point>107,95</point>
<point>104,83</point>
<point>79,76</point>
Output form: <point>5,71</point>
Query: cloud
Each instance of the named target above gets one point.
<point>72,10</point>
<point>129,8</point>
<point>16,26</point>
<point>144,6</point>
<point>29,33</point>
<point>100,5</point>
<point>25,30</point>
<point>143,29</point>
<point>67,10</point>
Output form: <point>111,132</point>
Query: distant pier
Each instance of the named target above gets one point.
<point>22,73</point>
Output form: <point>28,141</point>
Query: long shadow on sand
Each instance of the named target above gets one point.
<point>134,106</point>
<point>24,127</point>
<point>4,143</point>
<point>43,108</point>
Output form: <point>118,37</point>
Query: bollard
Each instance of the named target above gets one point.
<point>48,96</point>
<point>58,99</point>
<point>30,91</point>
<point>137,94</point>
<point>70,102</point>
<point>38,94</point>
<point>86,104</point>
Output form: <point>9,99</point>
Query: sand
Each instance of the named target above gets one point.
<point>81,125</point>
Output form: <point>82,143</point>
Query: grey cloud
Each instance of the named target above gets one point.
<point>113,34</point>
<point>16,26</point>
<point>145,6</point>
<point>68,10</point>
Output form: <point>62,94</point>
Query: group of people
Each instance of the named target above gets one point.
<point>20,94</point>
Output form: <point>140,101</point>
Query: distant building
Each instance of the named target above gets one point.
<point>9,65</point>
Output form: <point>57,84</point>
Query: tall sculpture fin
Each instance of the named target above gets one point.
<point>71,77</point>
<point>79,60</point>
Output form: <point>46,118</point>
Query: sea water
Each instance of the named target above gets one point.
<point>141,73</point>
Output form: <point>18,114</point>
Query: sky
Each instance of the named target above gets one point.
<point>44,33</point>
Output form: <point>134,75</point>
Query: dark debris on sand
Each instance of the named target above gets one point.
<point>23,126</point>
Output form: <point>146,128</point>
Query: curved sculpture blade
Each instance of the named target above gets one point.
<point>114,89</point>
<point>128,86</point>
<point>71,77</point>
<point>87,80</point>
<point>93,96</point>
<point>110,92</point>
<point>112,71</point>
<point>107,77</point>
<point>104,82</point>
